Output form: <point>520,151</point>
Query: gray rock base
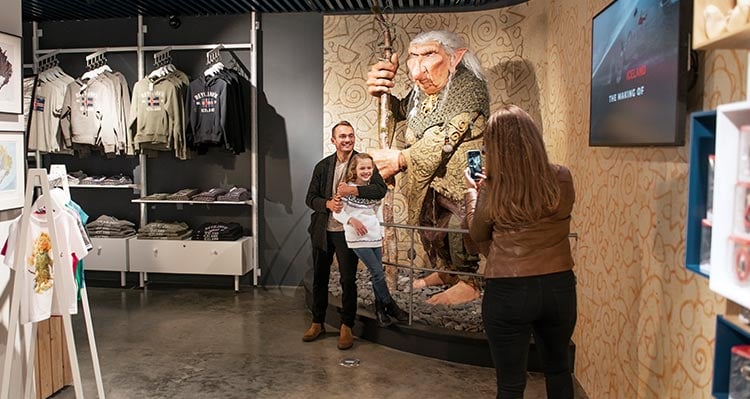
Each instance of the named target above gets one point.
<point>464,317</point>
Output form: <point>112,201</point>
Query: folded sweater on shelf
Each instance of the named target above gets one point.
<point>235,194</point>
<point>117,180</point>
<point>156,196</point>
<point>183,195</point>
<point>111,234</point>
<point>210,195</point>
<point>184,236</point>
<point>218,232</point>
<point>165,230</point>
<point>110,221</point>
<point>110,226</point>
<point>82,179</point>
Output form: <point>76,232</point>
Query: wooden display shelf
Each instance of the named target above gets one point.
<point>736,39</point>
<point>737,323</point>
<point>732,312</point>
<point>730,40</point>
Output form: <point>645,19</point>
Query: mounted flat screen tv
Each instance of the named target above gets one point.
<point>639,52</point>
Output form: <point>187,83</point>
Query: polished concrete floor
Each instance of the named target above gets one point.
<point>168,342</point>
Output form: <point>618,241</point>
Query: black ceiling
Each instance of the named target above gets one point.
<point>59,10</point>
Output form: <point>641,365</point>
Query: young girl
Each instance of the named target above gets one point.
<point>364,235</point>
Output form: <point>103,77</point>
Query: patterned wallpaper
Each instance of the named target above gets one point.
<point>646,326</point>
<point>511,61</point>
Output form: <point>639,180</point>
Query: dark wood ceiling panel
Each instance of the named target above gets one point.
<point>60,10</point>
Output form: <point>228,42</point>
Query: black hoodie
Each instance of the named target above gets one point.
<point>215,112</point>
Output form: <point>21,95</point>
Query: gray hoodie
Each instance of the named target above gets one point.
<point>89,114</point>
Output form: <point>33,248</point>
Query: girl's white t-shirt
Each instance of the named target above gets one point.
<point>44,265</point>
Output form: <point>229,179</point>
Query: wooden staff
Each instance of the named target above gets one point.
<point>386,132</point>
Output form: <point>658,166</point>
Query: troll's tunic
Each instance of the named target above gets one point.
<point>458,120</point>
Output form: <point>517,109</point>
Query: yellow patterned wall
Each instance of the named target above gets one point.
<point>646,326</point>
<point>511,60</point>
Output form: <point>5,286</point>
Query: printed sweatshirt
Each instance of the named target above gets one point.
<point>370,213</point>
<point>156,114</point>
<point>206,105</point>
<point>89,114</point>
<point>44,130</point>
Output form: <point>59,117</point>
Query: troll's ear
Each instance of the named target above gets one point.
<point>456,58</point>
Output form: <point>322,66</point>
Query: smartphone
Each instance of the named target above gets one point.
<point>474,158</point>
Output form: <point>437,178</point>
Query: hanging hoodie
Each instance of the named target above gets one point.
<point>45,123</point>
<point>89,114</point>
<point>156,116</point>
<point>206,108</point>
<point>236,125</point>
<point>121,94</point>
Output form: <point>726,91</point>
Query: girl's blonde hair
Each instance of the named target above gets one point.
<point>351,174</point>
<point>522,186</point>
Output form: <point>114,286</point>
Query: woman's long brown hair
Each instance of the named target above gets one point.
<point>522,186</point>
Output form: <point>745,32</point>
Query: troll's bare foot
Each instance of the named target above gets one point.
<point>430,280</point>
<point>458,294</point>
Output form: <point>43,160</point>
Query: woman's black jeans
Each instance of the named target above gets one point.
<point>515,307</point>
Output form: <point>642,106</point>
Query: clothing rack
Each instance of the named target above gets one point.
<point>130,49</point>
<point>39,179</point>
<point>251,74</point>
<point>60,172</point>
<point>213,56</point>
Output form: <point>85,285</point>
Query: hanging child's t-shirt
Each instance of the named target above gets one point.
<point>44,265</point>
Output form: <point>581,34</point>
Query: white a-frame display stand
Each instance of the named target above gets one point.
<point>38,178</point>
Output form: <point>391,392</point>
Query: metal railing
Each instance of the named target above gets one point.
<point>411,254</point>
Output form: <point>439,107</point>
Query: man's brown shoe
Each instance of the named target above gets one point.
<point>346,339</point>
<point>312,333</point>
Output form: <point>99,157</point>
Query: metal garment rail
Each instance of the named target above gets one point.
<point>124,49</point>
<point>140,49</point>
<point>412,255</point>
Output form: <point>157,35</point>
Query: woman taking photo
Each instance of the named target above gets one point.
<point>521,218</point>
